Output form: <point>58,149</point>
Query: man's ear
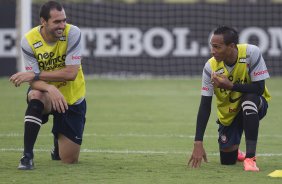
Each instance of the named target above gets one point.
<point>43,22</point>
<point>233,45</point>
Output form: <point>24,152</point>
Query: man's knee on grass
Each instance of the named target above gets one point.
<point>68,150</point>
<point>228,158</point>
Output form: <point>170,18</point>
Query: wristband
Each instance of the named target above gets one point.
<point>36,76</point>
<point>235,87</point>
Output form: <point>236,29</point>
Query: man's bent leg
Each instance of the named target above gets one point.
<point>251,123</point>
<point>37,104</point>
<point>250,105</point>
<point>229,140</point>
<point>33,121</point>
<point>69,150</point>
<point>228,156</point>
<point>55,152</point>
<point>68,128</point>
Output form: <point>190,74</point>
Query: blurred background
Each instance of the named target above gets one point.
<point>164,38</point>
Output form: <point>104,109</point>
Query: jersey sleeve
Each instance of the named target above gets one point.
<point>207,87</point>
<point>74,46</point>
<point>257,69</point>
<point>29,58</point>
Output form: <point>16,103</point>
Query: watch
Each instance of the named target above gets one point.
<point>36,76</point>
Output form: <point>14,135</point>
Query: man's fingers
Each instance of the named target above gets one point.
<point>54,105</point>
<point>65,105</point>
<point>198,163</point>
<point>205,158</point>
<point>194,163</point>
<point>216,79</point>
<point>191,158</point>
<point>12,78</point>
<point>61,108</point>
<point>61,105</point>
<point>18,82</point>
<point>222,76</point>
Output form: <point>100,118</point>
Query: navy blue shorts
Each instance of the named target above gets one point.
<point>231,135</point>
<point>71,123</point>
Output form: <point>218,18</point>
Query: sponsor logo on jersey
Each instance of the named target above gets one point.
<point>28,68</point>
<point>49,61</point>
<point>242,60</point>
<point>61,84</point>
<point>219,71</point>
<point>260,72</point>
<point>37,44</point>
<point>75,57</point>
<point>63,38</point>
<point>205,88</point>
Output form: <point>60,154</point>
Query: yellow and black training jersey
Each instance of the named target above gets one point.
<point>42,56</point>
<point>250,67</point>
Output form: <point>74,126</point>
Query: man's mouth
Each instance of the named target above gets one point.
<point>59,31</point>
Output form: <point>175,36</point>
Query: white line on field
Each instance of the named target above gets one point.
<point>142,152</point>
<point>132,135</point>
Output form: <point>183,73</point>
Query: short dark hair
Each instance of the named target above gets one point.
<point>230,35</point>
<point>47,7</point>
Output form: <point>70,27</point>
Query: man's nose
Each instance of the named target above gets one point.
<point>62,24</point>
<point>212,51</point>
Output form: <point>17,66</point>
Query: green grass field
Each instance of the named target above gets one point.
<point>137,131</point>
